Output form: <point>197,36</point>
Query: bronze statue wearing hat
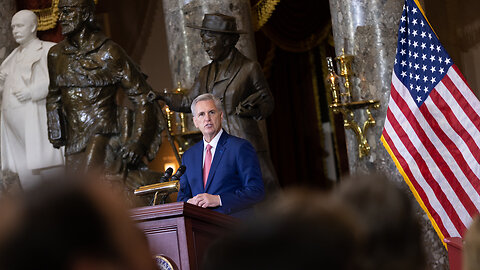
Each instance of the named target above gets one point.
<point>238,82</point>
<point>86,69</point>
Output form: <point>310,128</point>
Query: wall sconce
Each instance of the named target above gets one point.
<point>342,101</point>
<point>180,90</point>
<point>179,130</point>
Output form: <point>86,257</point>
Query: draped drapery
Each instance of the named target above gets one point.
<point>291,46</point>
<point>129,23</point>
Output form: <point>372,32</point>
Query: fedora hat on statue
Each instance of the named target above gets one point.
<point>219,23</point>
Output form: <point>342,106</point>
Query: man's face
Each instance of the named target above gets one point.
<point>71,18</point>
<point>208,119</point>
<point>214,45</point>
<point>23,28</point>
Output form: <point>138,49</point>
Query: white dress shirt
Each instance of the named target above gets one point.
<point>213,143</point>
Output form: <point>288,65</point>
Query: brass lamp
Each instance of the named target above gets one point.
<point>332,81</point>
<point>342,101</point>
<point>345,65</point>
<point>181,90</point>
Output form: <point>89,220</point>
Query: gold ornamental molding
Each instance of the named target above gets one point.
<point>262,11</point>
<point>48,17</point>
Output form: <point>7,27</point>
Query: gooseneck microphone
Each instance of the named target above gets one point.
<point>167,175</point>
<point>180,171</point>
<point>164,186</point>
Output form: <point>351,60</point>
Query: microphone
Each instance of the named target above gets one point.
<point>164,186</point>
<point>180,171</point>
<point>167,175</point>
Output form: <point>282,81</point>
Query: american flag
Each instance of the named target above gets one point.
<point>432,129</point>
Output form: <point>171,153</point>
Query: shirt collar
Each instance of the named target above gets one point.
<point>214,141</point>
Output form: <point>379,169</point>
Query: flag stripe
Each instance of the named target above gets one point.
<point>424,177</point>
<point>440,165</point>
<point>465,98</point>
<point>458,128</point>
<point>424,158</point>
<point>460,118</point>
<point>425,192</point>
<point>456,162</point>
<point>460,151</point>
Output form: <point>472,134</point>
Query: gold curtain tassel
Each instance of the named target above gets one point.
<point>48,17</point>
<point>262,11</point>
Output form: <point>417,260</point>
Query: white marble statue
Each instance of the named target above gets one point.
<point>25,148</point>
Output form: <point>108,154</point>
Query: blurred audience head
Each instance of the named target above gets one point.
<point>70,223</point>
<point>386,216</point>
<point>301,230</point>
<point>471,246</point>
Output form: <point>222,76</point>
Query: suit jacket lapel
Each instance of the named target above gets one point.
<point>217,157</point>
<point>223,73</point>
<point>209,83</point>
<point>234,67</point>
<point>226,75</point>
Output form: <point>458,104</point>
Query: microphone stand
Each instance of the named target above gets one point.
<point>163,188</point>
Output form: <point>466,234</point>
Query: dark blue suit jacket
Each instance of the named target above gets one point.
<point>234,175</point>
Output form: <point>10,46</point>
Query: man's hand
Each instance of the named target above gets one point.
<point>132,153</point>
<point>3,77</point>
<point>22,95</point>
<point>155,95</point>
<point>205,200</point>
<point>246,111</point>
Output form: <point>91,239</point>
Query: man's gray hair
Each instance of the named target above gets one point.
<point>204,97</point>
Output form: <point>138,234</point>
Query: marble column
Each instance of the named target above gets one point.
<point>186,54</point>
<point>7,44</point>
<point>368,30</point>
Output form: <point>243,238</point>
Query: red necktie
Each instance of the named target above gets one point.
<point>207,164</point>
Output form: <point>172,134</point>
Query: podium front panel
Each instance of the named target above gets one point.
<point>181,232</point>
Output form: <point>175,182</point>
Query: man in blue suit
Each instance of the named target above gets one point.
<point>223,172</point>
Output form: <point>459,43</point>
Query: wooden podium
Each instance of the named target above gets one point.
<point>181,232</point>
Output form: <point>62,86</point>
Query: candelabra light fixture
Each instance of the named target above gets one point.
<point>344,103</point>
<point>178,128</point>
<point>176,125</point>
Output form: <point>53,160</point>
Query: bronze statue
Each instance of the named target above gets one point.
<point>86,69</point>
<point>238,82</point>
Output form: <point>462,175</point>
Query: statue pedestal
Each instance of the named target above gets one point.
<point>181,232</point>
